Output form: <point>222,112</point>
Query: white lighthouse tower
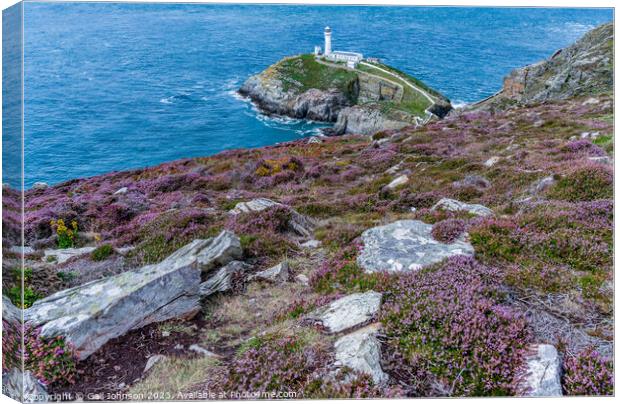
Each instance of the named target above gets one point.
<point>328,41</point>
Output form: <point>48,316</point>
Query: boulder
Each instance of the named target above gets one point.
<point>23,387</point>
<point>303,279</point>
<point>311,244</point>
<point>398,181</point>
<point>121,191</point>
<point>223,279</point>
<point>347,312</point>
<point>17,249</point>
<point>453,205</point>
<point>475,181</point>
<point>210,253</point>
<point>40,185</point>
<point>10,313</point>
<point>298,223</point>
<point>91,314</point>
<point>491,161</point>
<point>542,185</point>
<point>543,372</point>
<point>65,254</point>
<point>278,273</point>
<point>405,245</point>
<point>361,351</point>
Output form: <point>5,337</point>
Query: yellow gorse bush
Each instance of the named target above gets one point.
<point>66,235</point>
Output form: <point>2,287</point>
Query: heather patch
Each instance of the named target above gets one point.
<point>169,231</point>
<point>448,333</point>
<point>50,360</point>
<point>586,183</point>
<point>588,374</point>
<point>448,230</point>
<point>295,363</point>
<point>341,273</point>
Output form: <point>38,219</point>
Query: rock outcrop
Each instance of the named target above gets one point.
<point>306,88</point>
<point>347,312</point>
<point>90,315</point>
<point>543,372</point>
<point>586,67</point>
<point>365,121</point>
<point>268,92</point>
<point>452,205</point>
<point>23,387</point>
<point>361,351</point>
<point>223,279</point>
<point>278,273</point>
<point>405,245</point>
<point>65,254</point>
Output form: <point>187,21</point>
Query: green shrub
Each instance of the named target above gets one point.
<point>102,252</point>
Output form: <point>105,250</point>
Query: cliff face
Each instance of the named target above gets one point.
<point>586,67</point>
<point>307,88</point>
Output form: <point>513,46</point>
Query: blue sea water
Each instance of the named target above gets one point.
<point>115,86</point>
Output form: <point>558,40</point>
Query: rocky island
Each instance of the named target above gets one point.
<point>362,98</point>
<point>467,256</point>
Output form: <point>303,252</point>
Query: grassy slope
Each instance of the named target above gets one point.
<point>413,101</point>
<point>301,73</point>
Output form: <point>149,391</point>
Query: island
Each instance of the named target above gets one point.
<point>360,95</point>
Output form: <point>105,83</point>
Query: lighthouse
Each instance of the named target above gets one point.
<point>328,41</point>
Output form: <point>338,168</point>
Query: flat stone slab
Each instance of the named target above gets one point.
<point>278,273</point>
<point>361,351</point>
<point>453,205</point>
<point>91,314</point>
<point>65,254</point>
<point>347,312</point>
<point>543,372</point>
<point>405,245</point>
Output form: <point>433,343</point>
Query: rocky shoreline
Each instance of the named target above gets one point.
<point>355,103</point>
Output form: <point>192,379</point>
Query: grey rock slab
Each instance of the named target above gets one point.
<point>121,191</point>
<point>17,249</point>
<point>91,314</point>
<point>361,351</point>
<point>543,372</point>
<point>278,273</point>
<point>209,253</point>
<point>222,280</point>
<point>398,181</point>
<point>453,205</point>
<point>255,205</point>
<point>311,244</point>
<point>65,254</point>
<point>23,387</point>
<point>347,312</point>
<point>405,245</point>
<point>10,312</point>
<point>491,161</point>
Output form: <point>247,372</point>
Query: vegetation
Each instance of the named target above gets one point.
<point>588,374</point>
<point>303,72</point>
<point>101,253</point>
<point>66,235</point>
<point>449,333</point>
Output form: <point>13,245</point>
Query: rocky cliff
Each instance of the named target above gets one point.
<point>309,88</point>
<point>586,67</point>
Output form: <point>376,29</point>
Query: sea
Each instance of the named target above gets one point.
<point>113,86</point>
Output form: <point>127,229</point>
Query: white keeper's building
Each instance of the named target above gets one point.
<point>350,58</point>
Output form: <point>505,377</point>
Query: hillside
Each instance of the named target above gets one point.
<point>379,96</point>
<point>586,67</point>
<point>470,256</point>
